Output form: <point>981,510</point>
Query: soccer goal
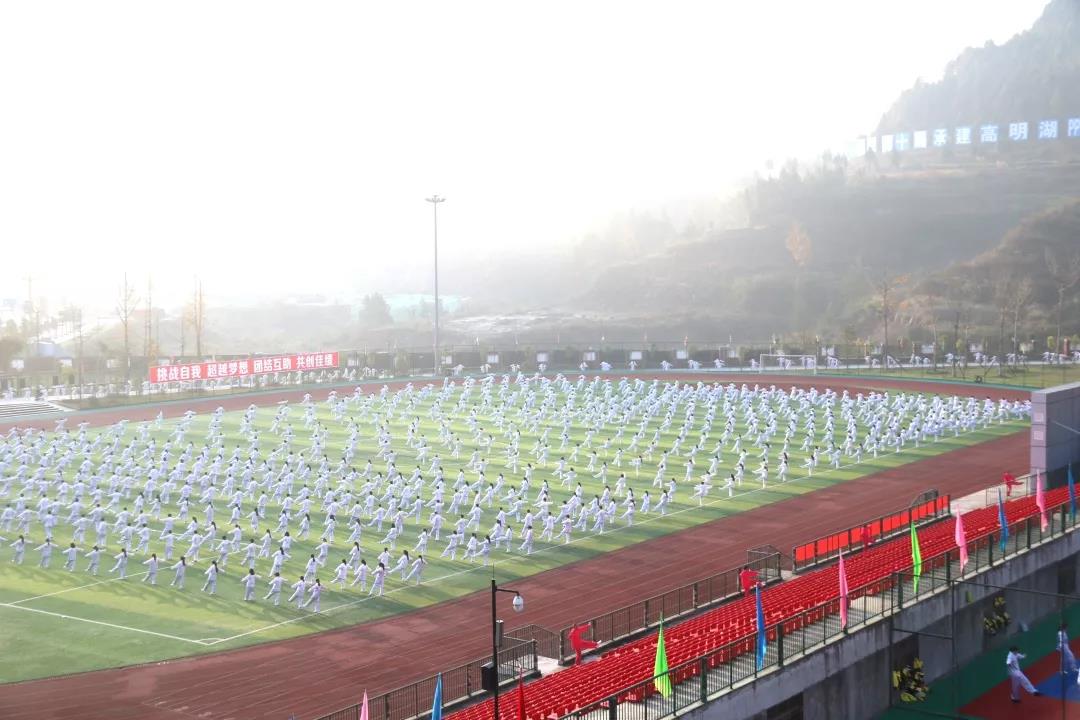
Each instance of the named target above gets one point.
<point>769,362</point>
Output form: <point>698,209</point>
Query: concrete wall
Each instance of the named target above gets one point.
<point>1055,430</point>
<point>849,678</point>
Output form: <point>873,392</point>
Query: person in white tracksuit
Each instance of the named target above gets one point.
<point>314,596</point>
<point>211,578</point>
<point>151,573</point>
<point>249,581</point>
<point>1068,660</point>
<point>275,589</point>
<point>181,570</point>
<point>1016,676</point>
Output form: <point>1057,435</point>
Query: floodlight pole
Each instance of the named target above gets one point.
<point>435,200</point>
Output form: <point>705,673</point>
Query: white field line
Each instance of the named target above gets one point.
<point>102,623</point>
<point>73,589</point>
<point>555,546</point>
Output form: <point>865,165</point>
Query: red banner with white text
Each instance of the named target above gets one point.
<point>304,362</point>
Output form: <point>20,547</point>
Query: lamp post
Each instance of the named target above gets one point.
<point>518,605</point>
<point>435,200</point>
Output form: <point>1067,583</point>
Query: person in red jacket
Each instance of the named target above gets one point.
<point>748,579</point>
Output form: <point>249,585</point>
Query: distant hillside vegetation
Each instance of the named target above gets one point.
<point>1034,75</point>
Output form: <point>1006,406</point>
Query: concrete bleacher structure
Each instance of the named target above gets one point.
<point>715,650</point>
<point>19,409</point>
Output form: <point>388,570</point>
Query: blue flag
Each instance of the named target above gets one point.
<point>1001,521</point>
<point>762,639</point>
<point>1072,494</point>
<point>436,705</point>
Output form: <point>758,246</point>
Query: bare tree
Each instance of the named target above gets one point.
<point>1065,272</point>
<point>1004,291</point>
<point>198,317</point>
<point>1022,296</point>
<point>77,316</point>
<point>148,323</point>
<point>125,310</point>
<point>885,284</point>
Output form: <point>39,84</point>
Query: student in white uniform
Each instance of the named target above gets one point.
<point>1068,660</point>
<point>46,549</point>
<point>20,550</point>
<point>1017,676</point>
<point>95,560</point>
<point>181,570</point>
<point>298,589</point>
<point>377,581</point>
<point>314,596</point>
<point>121,563</point>
<point>211,578</point>
<point>152,569</point>
<point>71,554</point>
<point>248,582</point>
<point>275,589</point>
<point>417,568</point>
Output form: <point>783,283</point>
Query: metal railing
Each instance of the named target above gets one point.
<point>458,685</point>
<point>719,671</point>
<point>928,508</point>
<point>640,617</point>
<point>462,683</point>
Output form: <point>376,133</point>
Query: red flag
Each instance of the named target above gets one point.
<point>578,641</point>
<point>521,695</point>
<point>961,540</point>
<point>1040,501</point>
<point>843,592</point>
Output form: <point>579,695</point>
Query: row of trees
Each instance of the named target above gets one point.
<point>128,307</point>
<point>953,303</point>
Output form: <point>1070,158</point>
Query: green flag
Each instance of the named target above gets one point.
<point>916,557</point>
<point>660,670</point>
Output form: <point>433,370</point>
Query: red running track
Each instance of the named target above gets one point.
<point>312,675</point>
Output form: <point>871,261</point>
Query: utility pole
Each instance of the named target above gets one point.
<point>78,319</point>
<point>148,324</point>
<point>198,317</point>
<point>435,200</point>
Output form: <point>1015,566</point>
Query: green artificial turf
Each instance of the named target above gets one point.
<point>53,622</point>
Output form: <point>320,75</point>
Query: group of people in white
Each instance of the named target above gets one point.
<point>380,482</point>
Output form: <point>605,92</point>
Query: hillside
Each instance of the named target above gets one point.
<point>1034,75</point>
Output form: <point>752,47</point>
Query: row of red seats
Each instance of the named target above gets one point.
<point>730,630</point>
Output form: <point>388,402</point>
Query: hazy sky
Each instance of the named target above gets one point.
<point>270,145</point>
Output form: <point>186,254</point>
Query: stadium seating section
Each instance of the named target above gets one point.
<point>731,627</point>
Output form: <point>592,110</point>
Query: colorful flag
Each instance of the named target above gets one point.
<point>916,557</point>
<point>436,705</point>
<point>1040,501</point>
<point>661,679</point>
<point>762,638</point>
<point>961,540</point>
<point>1072,494</point>
<point>521,695</point>
<point>1001,521</point>
<point>843,592</point>
<point>363,708</point>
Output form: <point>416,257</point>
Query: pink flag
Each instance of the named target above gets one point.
<point>961,540</point>
<point>1040,501</point>
<point>843,592</point>
<point>363,708</point>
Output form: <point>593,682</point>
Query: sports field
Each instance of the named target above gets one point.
<point>58,622</point>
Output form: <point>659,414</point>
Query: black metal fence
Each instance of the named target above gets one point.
<point>459,684</point>
<point>522,646</point>
<point>632,620</point>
